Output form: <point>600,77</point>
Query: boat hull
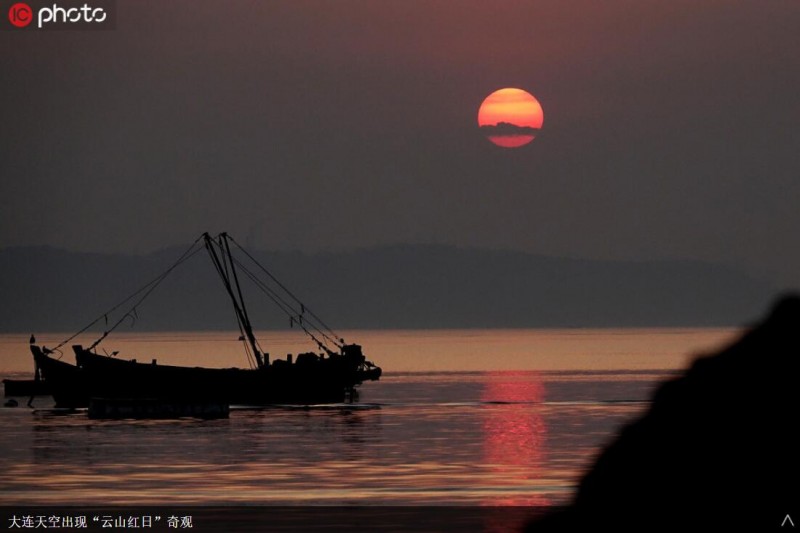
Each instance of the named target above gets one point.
<point>307,381</point>
<point>25,387</point>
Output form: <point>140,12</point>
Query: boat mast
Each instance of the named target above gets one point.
<point>227,271</point>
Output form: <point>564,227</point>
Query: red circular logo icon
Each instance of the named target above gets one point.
<point>20,14</point>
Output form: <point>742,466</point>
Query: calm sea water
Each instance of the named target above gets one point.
<point>460,417</point>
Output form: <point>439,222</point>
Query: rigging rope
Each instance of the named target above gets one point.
<point>293,319</point>
<point>123,302</point>
<point>225,271</point>
<point>147,289</point>
<point>303,307</point>
<point>294,316</point>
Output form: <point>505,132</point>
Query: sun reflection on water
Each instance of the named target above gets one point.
<point>515,434</point>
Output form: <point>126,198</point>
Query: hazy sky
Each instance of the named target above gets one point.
<point>670,128</point>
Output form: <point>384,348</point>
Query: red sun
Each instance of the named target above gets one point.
<point>510,117</point>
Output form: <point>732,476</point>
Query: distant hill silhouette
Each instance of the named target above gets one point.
<point>506,128</point>
<point>404,286</point>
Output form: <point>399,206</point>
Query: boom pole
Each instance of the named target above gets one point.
<point>227,270</point>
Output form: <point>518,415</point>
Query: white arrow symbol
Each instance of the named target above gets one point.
<point>787,519</point>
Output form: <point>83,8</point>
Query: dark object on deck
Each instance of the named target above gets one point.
<point>26,387</point>
<point>717,451</point>
<point>148,408</point>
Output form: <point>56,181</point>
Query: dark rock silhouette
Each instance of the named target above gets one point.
<point>718,448</point>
